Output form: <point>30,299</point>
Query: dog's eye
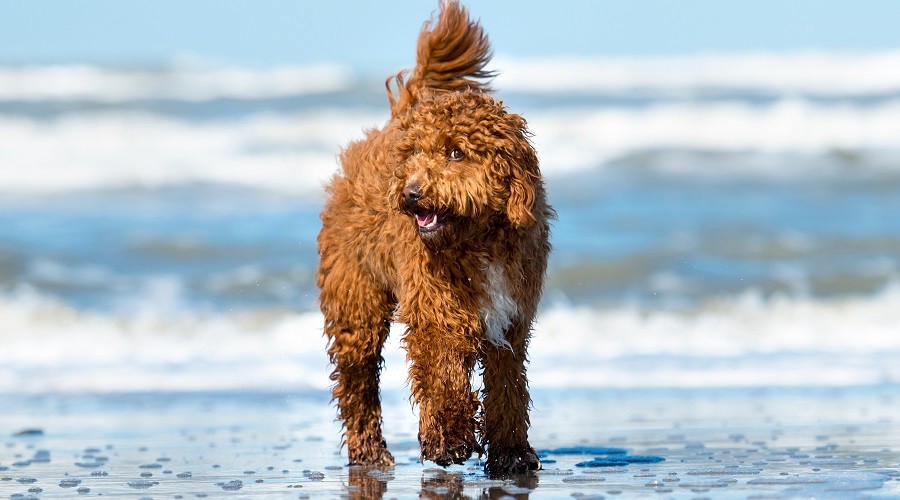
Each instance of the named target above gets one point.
<point>456,154</point>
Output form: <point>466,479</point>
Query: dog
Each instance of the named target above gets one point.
<point>440,221</point>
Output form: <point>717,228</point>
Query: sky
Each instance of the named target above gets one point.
<point>381,34</point>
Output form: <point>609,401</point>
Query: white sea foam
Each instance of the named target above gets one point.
<point>739,341</point>
<point>736,341</point>
<point>188,82</point>
<point>114,150</point>
<point>818,73</point>
<point>580,139</point>
<point>49,346</point>
<point>297,152</point>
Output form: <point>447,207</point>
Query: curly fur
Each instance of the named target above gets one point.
<point>438,220</point>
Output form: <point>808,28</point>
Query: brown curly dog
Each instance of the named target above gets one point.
<point>439,220</point>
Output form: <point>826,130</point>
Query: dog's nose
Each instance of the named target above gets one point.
<point>411,194</point>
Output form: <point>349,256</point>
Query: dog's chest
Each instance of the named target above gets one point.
<point>498,309</point>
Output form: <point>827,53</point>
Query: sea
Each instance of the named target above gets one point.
<point>724,221</point>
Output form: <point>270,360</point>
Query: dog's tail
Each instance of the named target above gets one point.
<point>450,55</point>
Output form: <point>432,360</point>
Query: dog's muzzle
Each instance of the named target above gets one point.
<point>428,219</point>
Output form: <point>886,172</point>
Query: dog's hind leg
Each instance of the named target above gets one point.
<point>506,402</point>
<point>357,314</point>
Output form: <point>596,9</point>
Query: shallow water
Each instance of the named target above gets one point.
<point>725,443</point>
<point>653,239</point>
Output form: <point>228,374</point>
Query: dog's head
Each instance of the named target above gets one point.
<point>465,163</point>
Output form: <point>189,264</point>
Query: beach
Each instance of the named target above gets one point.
<point>718,318</point>
<point>727,443</point>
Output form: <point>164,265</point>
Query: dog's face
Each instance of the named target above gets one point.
<point>466,164</point>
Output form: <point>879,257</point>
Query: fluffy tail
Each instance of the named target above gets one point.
<point>450,55</point>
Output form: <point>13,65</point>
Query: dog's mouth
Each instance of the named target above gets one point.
<point>429,220</point>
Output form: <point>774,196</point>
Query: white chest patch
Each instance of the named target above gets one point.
<point>498,309</point>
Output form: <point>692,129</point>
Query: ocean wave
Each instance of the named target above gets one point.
<point>126,150</point>
<point>781,73</point>
<point>187,82</point>
<point>743,340</point>
<point>52,346</point>
<point>874,73</point>
<point>297,152</point>
<point>740,340</point>
<point>762,136</point>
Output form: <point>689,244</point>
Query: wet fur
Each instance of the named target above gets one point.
<point>468,291</point>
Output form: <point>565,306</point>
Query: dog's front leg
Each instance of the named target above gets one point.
<point>356,314</point>
<point>441,365</point>
<point>506,402</point>
<point>356,354</point>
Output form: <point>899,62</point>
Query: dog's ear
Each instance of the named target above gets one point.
<point>524,176</point>
<point>520,166</point>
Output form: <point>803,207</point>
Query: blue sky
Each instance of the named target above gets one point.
<point>381,35</point>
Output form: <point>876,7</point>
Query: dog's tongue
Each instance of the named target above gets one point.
<point>426,219</point>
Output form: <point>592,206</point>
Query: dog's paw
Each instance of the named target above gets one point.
<point>449,454</point>
<point>505,463</point>
<point>378,456</point>
<point>384,459</point>
<point>449,457</point>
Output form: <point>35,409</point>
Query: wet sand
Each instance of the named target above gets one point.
<point>697,443</point>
